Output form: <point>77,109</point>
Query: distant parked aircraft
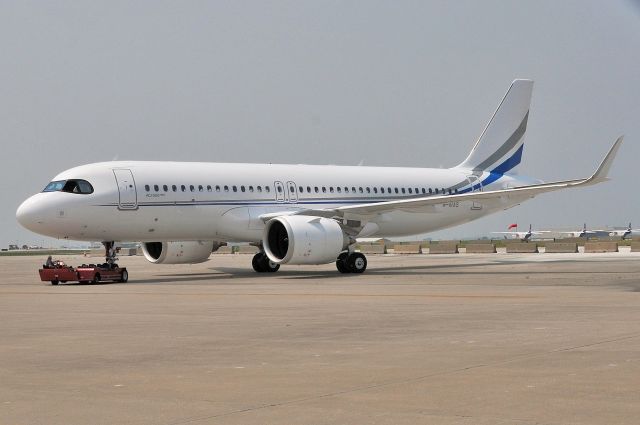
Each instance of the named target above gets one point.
<point>523,236</point>
<point>624,233</point>
<point>584,233</point>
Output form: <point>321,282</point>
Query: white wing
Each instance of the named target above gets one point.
<point>490,198</point>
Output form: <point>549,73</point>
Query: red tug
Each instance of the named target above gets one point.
<point>94,273</point>
<point>58,272</point>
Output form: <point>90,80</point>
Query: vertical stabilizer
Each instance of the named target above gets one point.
<point>499,148</point>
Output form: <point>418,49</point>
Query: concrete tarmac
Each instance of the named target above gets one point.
<point>450,339</point>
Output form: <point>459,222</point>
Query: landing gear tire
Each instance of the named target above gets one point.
<point>124,276</point>
<point>256,262</point>
<point>341,263</point>
<point>96,278</point>
<point>55,282</point>
<point>351,263</point>
<point>262,264</point>
<point>356,262</point>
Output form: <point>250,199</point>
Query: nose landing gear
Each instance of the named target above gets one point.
<point>110,252</point>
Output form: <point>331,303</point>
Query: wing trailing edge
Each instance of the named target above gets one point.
<point>426,203</point>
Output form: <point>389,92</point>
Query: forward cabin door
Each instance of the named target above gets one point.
<point>126,188</point>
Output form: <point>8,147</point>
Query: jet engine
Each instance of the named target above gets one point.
<point>190,252</point>
<point>298,239</point>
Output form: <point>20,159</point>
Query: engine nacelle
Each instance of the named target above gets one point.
<point>299,239</point>
<point>190,252</point>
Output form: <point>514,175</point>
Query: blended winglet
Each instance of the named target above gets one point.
<point>601,174</point>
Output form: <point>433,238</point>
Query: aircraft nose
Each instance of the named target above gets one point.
<point>29,214</point>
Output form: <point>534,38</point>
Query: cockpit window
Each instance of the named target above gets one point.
<point>70,186</point>
<point>54,186</point>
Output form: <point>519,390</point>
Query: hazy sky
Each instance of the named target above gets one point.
<point>326,82</point>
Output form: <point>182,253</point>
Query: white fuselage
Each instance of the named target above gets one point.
<point>180,201</point>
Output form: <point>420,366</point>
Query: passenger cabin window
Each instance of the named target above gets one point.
<point>267,189</point>
<point>242,188</point>
<point>226,188</point>
<point>250,188</point>
<point>259,188</point>
<point>209,188</point>
<point>70,186</point>
<point>308,189</point>
<point>156,188</point>
<point>235,188</point>
<point>174,188</point>
<point>183,188</point>
<point>192,188</point>
<point>217,188</point>
<point>165,187</point>
<point>200,188</point>
<point>146,187</point>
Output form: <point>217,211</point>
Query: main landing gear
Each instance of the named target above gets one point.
<point>262,264</point>
<point>351,262</point>
<point>347,262</point>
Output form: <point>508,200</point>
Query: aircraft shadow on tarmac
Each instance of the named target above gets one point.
<point>227,273</point>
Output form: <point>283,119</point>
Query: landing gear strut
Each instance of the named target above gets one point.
<point>110,253</point>
<point>351,262</point>
<point>262,264</point>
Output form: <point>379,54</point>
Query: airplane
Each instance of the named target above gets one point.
<point>624,233</point>
<point>584,233</point>
<point>523,236</point>
<point>296,214</point>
